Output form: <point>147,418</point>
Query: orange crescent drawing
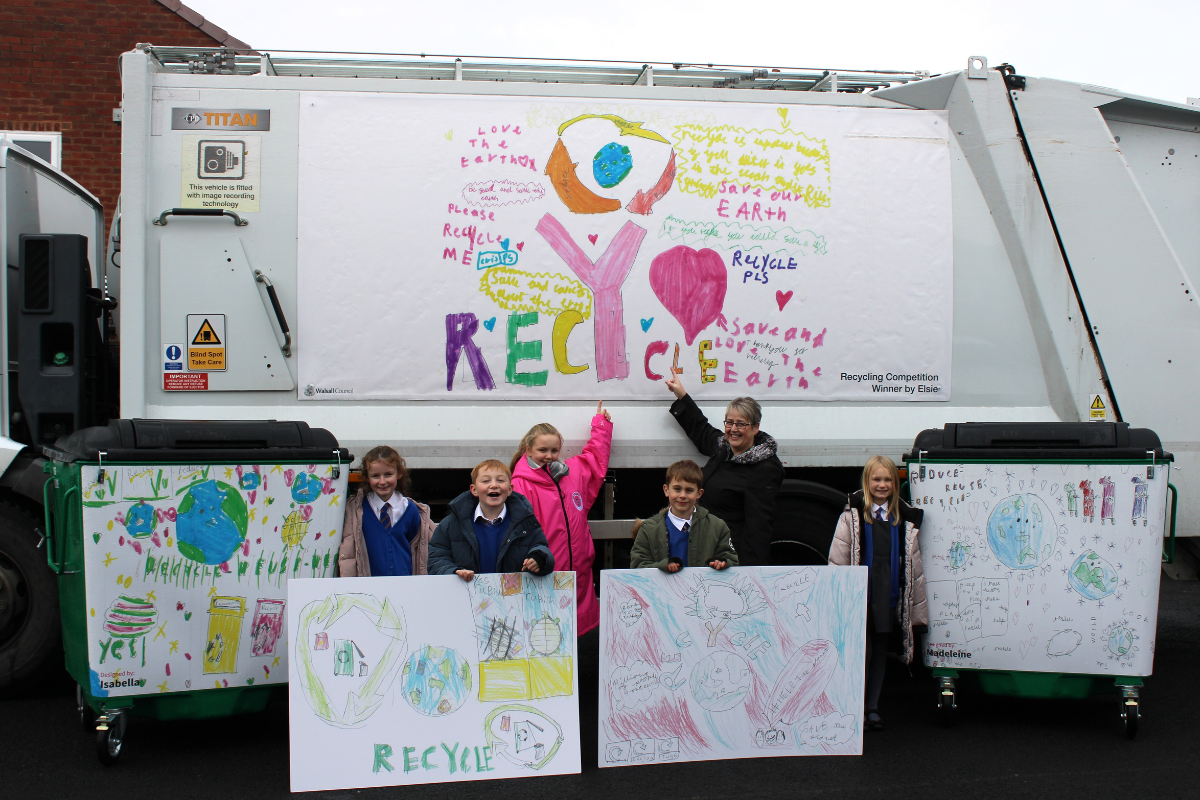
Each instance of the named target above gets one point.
<point>570,189</point>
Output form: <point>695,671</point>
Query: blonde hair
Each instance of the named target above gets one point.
<point>874,463</point>
<point>387,455</point>
<point>541,429</point>
<point>491,463</point>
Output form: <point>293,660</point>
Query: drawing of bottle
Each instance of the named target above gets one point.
<point>224,634</point>
<point>1089,500</point>
<point>1141,499</point>
<point>1108,505</point>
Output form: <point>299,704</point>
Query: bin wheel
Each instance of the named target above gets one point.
<point>1130,714</point>
<point>946,710</point>
<point>111,740</point>
<point>87,717</point>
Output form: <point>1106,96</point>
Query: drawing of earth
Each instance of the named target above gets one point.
<point>140,521</point>
<point>1092,576</point>
<point>212,520</point>
<point>611,164</point>
<point>306,488</point>
<point>436,681</point>
<point>720,681</point>
<point>959,553</point>
<point>1120,641</point>
<point>1021,531</point>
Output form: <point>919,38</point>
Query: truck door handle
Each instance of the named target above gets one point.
<point>280,318</point>
<point>200,212</point>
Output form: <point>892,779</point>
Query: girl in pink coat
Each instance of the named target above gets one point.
<point>561,506</point>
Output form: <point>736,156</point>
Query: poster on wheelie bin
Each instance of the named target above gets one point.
<point>187,568</point>
<point>1042,567</point>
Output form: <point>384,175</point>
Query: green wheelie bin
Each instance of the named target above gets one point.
<point>174,542</point>
<point>1041,545</point>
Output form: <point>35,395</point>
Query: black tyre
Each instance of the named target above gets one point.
<point>29,626</point>
<point>946,710</point>
<point>87,717</point>
<point>806,514</point>
<point>111,741</point>
<point>1130,714</point>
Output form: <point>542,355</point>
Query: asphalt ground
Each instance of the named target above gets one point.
<point>998,747</point>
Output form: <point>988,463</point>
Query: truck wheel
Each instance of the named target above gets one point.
<point>29,626</point>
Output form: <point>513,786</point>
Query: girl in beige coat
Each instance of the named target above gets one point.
<point>385,533</point>
<point>879,530</point>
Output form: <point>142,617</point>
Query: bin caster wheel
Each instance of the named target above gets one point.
<point>946,701</point>
<point>87,717</point>
<point>946,710</point>
<point>110,737</point>
<point>1130,714</point>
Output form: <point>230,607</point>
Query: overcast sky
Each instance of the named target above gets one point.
<point>1147,47</point>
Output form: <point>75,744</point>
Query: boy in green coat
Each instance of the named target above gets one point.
<point>683,535</point>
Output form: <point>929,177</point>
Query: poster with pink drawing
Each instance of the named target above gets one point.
<point>570,248</point>
<point>748,662</point>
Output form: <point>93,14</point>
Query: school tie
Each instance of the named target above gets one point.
<point>879,515</point>
<point>385,517</point>
<point>687,526</point>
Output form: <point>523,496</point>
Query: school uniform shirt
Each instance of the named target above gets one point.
<point>882,545</point>
<point>678,533</point>
<point>490,533</point>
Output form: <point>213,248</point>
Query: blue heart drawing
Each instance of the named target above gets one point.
<point>504,243</point>
<point>646,323</point>
<point>489,323</point>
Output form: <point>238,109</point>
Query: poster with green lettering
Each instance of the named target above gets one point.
<point>430,679</point>
<point>187,570</point>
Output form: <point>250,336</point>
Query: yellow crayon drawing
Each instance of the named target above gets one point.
<point>548,293</point>
<point>785,161</point>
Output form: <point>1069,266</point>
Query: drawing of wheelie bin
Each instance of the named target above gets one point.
<point>1028,597</point>
<point>174,542</point>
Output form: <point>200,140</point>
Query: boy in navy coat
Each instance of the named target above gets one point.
<point>489,529</point>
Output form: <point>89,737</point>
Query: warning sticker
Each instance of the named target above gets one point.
<point>206,342</point>
<point>1096,409</point>
<point>185,381</point>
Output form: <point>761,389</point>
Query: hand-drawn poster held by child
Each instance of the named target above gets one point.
<point>1050,567</point>
<point>188,569</point>
<point>745,663</point>
<point>540,246</point>
<point>423,680</point>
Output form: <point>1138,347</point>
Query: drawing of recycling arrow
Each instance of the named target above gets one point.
<point>389,621</point>
<point>626,127</point>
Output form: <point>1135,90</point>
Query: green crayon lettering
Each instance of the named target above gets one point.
<point>462,762</point>
<point>104,650</point>
<point>425,758</point>
<point>410,761</point>
<point>452,754</point>
<point>382,753</point>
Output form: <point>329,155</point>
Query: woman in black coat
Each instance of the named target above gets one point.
<point>743,473</point>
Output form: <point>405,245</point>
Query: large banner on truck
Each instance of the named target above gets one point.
<point>488,247</point>
<point>1042,567</point>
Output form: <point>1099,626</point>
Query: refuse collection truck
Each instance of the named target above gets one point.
<point>438,254</point>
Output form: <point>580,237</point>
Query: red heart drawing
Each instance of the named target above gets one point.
<point>691,286</point>
<point>592,237</point>
<point>782,298</point>
<point>520,245</point>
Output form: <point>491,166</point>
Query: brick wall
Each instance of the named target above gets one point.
<point>58,72</point>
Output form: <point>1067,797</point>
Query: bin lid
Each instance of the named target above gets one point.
<point>199,441</point>
<point>1038,441</point>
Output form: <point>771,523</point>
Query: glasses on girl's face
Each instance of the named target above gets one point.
<point>741,426</point>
